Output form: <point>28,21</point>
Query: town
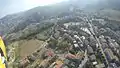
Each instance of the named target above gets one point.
<point>81,44</point>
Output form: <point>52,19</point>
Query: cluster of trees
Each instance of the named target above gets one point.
<point>39,29</point>
<point>31,31</point>
<point>59,44</point>
<point>69,19</point>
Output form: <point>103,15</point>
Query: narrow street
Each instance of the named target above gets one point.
<point>93,34</point>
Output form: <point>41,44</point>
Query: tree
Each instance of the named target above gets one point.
<point>63,45</point>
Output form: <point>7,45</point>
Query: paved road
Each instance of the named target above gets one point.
<point>98,41</point>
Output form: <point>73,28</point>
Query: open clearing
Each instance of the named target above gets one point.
<point>28,47</point>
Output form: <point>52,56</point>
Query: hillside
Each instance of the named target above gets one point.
<point>29,29</point>
<point>39,36</point>
<point>105,8</point>
<point>19,23</point>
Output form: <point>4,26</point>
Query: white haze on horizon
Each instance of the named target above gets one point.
<point>14,6</point>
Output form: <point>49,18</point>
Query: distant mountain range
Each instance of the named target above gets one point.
<point>34,15</point>
<point>18,22</point>
<point>32,20</point>
<point>103,4</point>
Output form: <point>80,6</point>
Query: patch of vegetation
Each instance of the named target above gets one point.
<point>37,31</point>
<point>59,44</point>
<point>62,45</point>
<point>14,56</point>
<point>44,35</point>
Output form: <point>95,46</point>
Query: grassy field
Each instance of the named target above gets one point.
<point>28,47</point>
<point>20,49</point>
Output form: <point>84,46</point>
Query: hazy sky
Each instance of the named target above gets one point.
<point>12,6</point>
